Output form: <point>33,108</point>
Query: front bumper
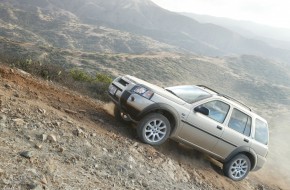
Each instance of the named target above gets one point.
<point>128,102</point>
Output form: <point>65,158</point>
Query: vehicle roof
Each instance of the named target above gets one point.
<point>214,92</point>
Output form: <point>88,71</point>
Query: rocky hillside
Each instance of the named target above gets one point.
<point>122,26</point>
<point>60,28</point>
<point>54,138</point>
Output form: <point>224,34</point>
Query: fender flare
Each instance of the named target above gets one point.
<point>244,150</point>
<point>161,107</point>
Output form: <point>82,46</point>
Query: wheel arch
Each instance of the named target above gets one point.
<point>246,151</point>
<point>168,111</point>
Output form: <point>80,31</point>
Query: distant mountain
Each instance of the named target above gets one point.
<point>278,37</point>
<point>46,23</point>
<point>131,26</point>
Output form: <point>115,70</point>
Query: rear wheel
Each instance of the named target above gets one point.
<point>238,167</point>
<point>154,129</point>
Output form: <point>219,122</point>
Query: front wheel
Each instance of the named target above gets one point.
<point>238,167</point>
<point>154,129</point>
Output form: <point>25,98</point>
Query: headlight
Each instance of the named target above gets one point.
<point>143,91</point>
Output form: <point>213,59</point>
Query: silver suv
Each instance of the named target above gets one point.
<point>197,116</point>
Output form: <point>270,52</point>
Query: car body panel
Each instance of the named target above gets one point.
<point>204,132</point>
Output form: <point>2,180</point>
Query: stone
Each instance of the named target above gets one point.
<point>2,172</point>
<point>43,180</point>
<point>144,183</point>
<point>18,121</point>
<point>100,120</point>
<point>27,154</point>
<point>61,149</point>
<point>135,144</point>
<point>82,111</point>
<point>70,111</point>
<point>3,118</point>
<point>55,123</point>
<point>94,134</point>
<point>78,132</point>
<point>51,138</point>
<point>43,111</point>
<point>8,86</point>
<point>87,143</point>
<point>260,187</point>
<point>131,159</point>
<point>43,137</point>
<point>32,171</point>
<point>38,146</point>
<point>34,186</point>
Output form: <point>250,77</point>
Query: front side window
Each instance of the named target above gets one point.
<point>240,122</point>
<point>261,133</point>
<point>217,110</point>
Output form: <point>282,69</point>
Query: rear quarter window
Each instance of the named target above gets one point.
<point>261,132</point>
<point>240,122</point>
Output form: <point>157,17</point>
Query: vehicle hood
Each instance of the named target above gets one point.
<point>156,89</point>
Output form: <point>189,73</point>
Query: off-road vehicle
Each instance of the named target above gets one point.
<point>198,116</point>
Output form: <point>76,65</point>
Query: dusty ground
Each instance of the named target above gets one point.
<point>54,138</point>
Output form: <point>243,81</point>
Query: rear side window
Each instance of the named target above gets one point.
<point>261,133</point>
<point>240,122</point>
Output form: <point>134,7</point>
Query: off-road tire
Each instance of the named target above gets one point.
<point>154,129</point>
<point>238,167</point>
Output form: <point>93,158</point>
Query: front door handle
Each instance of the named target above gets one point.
<point>246,140</point>
<point>219,127</point>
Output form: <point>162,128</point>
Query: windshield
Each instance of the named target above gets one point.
<point>189,94</point>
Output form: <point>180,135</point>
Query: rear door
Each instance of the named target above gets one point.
<point>202,130</point>
<point>236,134</point>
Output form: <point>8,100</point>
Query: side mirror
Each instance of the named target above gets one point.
<point>202,110</point>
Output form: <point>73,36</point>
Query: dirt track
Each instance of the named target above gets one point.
<point>73,142</point>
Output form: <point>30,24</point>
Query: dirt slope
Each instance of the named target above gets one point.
<point>54,138</point>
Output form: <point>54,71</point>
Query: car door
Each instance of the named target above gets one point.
<point>236,134</point>
<point>204,129</point>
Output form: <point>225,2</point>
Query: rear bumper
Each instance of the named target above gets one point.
<point>260,163</point>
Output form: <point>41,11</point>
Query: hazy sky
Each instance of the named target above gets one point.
<point>269,12</point>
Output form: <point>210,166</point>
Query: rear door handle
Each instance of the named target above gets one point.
<point>219,127</point>
<point>246,140</point>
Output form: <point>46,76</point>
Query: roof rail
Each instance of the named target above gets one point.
<point>226,96</point>
<point>203,86</point>
<point>243,104</point>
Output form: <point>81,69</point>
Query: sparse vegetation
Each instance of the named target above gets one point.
<point>76,79</point>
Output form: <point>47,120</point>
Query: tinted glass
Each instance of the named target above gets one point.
<point>240,122</point>
<point>217,110</point>
<point>189,94</point>
<point>261,133</point>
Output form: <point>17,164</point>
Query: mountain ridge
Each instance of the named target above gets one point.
<point>277,37</point>
<point>141,18</point>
